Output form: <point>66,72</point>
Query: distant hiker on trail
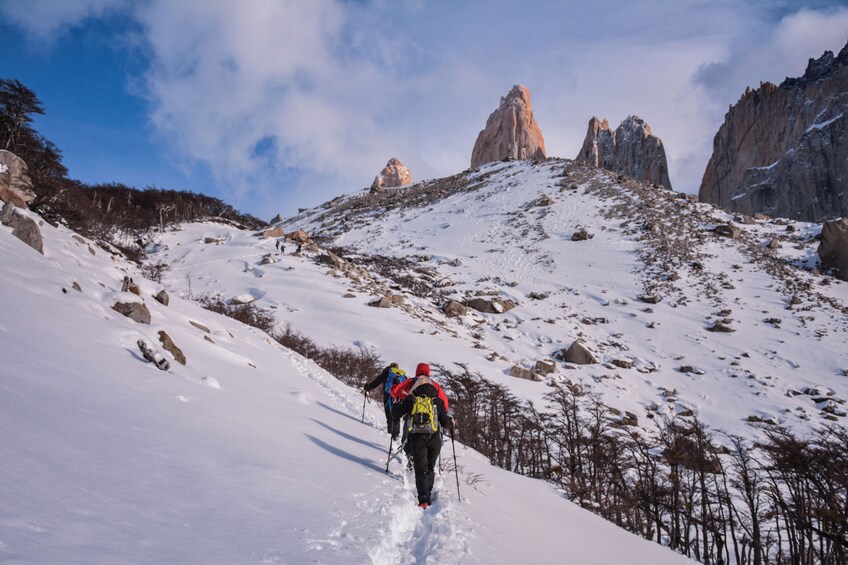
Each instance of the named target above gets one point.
<point>427,415</point>
<point>390,377</point>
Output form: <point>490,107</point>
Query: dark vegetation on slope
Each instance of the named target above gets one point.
<point>110,212</point>
<point>351,366</point>
<point>782,500</point>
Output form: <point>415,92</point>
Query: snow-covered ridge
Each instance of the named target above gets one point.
<point>509,229</point>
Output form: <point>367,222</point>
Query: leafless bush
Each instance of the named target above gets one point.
<point>245,313</point>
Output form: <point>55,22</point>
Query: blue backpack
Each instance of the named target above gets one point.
<point>395,376</point>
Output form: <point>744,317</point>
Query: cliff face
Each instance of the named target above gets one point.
<point>783,150</point>
<point>511,131</point>
<point>632,150</point>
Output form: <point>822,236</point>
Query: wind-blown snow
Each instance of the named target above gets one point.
<point>249,453</point>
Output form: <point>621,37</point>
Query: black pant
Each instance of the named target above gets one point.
<point>392,424</point>
<point>425,452</point>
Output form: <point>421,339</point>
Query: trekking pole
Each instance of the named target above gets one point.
<point>364,398</point>
<point>455,467</point>
<point>389,460</point>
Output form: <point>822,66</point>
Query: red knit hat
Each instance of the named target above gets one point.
<point>422,369</point>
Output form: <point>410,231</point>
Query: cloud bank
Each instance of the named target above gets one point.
<point>290,103</point>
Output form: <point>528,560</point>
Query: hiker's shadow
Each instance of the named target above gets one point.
<point>350,437</point>
<point>339,412</point>
<point>345,455</point>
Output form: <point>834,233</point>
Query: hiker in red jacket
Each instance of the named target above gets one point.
<point>401,391</point>
<point>424,408</point>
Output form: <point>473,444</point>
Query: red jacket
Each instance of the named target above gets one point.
<point>402,390</point>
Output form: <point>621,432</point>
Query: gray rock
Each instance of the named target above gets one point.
<point>579,354</point>
<point>162,298</point>
<point>199,326</point>
<point>726,230</point>
<point>522,373</point>
<point>833,249</point>
<point>545,366</point>
<point>23,227</point>
<point>135,311</point>
<point>453,309</point>
<point>490,305</point>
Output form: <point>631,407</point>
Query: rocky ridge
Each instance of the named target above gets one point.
<point>783,150</point>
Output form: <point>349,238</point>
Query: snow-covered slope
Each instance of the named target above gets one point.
<point>506,231</point>
<point>248,453</point>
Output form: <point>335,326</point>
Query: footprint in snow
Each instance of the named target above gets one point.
<point>302,397</point>
<point>211,381</point>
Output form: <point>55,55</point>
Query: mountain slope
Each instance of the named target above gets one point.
<point>249,453</point>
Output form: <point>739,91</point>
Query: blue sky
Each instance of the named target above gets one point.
<point>272,105</point>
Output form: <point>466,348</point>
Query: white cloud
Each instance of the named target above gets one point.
<point>44,18</point>
<point>290,103</point>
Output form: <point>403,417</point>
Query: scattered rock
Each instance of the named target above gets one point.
<point>215,240</point>
<point>833,249</point>
<point>152,357</point>
<point>76,287</point>
<point>490,305</point>
<point>299,236</point>
<point>719,327</point>
<point>650,299</point>
<point>169,346</point>
<point>522,373</point>
<point>23,227</point>
<point>579,354</point>
<point>726,230</point>
<point>162,298</point>
<point>135,311</point>
<point>199,326</point>
<point>774,244</point>
<point>581,235</point>
<point>276,231</point>
<point>453,309</point>
<point>623,363</point>
<point>545,366</point>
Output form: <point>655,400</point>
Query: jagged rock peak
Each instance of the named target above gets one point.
<point>394,174</point>
<point>511,131</point>
<point>632,150</point>
<point>782,149</point>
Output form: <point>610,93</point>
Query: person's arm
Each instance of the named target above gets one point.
<point>445,421</point>
<point>381,378</point>
<point>401,408</point>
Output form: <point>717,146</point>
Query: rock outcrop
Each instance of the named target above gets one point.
<point>23,227</point>
<point>394,174</point>
<point>15,184</point>
<point>632,150</point>
<point>833,249</point>
<point>511,132</point>
<point>783,150</point>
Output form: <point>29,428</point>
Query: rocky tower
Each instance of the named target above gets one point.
<point>631,150</point>
<point>783,150</point>
<point>511,131</point>
<point>393,174</point>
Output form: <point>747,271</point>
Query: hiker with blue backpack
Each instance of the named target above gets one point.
<point>426,410</point>
<point>389,377</point>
